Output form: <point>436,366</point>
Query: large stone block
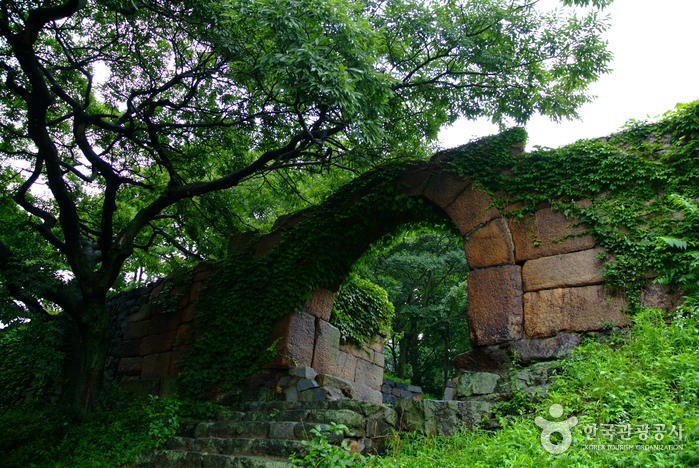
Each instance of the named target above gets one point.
<point>476,383</point>
<point>441,417</point>
<point>549,311</point>
<point>320,304</point>
<point>344,385</point>
<point>327,348</point>
<point>163,322</point>
<point>490,245</point>
<point>137,329</point>
<point>363,352</point>
<point>346,365</point>
<point>471,209</point>
<point>156,365</point>
<point>443,188</point>
<point>545,233</point>
<point>413,182</point>
<point>157,343</point>
<point>484,358</point>
<point>660,296</point>
<point>495,304</point>
<point>365,393</point>
<point>296,335</point>
<point>130,366</point>
<point>532,350</point>
<point>369,374</point>
<point>573,269</point>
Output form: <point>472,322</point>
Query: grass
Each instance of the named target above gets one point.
<point>649,376</point>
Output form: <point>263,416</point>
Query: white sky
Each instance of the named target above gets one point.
<point>656,65</point>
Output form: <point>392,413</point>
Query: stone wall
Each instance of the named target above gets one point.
<point>151,334</point>
<point>535,285</point>
<point>306,338</point>
<point>394,391</point>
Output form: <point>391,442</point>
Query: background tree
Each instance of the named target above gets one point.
<point>424,272</point>
<point>119,117</point>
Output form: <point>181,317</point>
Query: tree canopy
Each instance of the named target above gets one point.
<point>117,117</point>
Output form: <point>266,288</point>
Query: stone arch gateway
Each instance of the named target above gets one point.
<point>535,284</point>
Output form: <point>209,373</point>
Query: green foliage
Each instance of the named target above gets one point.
<point>650,376</point>
<point>361,311</point>
<point>33,436</point>
<point>683,271</point>
<point>623,178</point>
<point>240,304</point>
<point>31,364</point>
<point>324,454</point>
<point>424,271</point>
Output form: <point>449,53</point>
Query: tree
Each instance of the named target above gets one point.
<point>424,271</point>
<point>117,115</point>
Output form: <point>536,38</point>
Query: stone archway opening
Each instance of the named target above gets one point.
<point>424,271</point>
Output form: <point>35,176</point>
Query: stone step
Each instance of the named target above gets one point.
<point>348,417</point>
<point>288,430</point>
<point>277,448</point>
<point>184,459</point>
<point>362,407</point>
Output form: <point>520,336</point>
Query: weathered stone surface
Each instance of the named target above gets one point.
<point>129,348</point>
<point>303,372</point>
<point>490,245</point>
<point>241,242</point>
<point>549,311</point>
<point>544,233</point>
<point>284,430</point>
<point>156,365</point>
<point>379,358</point>
<point>365,393</point>
<point>305,384</point>
<point>660,296</point>
<point>414,181</point>
<point>327,344</point>
<point>137,329</point>
<point>495,304</point>
<point>471,208</point>
<point>163,322</point>
<point>130,366</point>
<point>296,333</point>
<point>333,394</point>
<point>320,303</point>
<point>557,347</point>
<point>365,353</point>
<point>312,394</point>
<point>156,343</point>
<point>442,189</point>
<point>369,374</point>
<point>142,314</point>
<point>536,375</point>
<point>291,394</point>
<point>346,365</point>
<point>476,383</point>
<point>483,358</point>
<point>266,243</point>
<point>449,393</point>
<point>440,417</point>
<point>573,269</point>
<point>344,385</point>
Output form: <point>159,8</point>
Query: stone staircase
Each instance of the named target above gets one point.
<point>264,434</point>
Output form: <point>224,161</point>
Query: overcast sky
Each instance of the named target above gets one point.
<point>656,65</point>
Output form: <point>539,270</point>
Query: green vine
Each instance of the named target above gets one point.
<point>627,179</point>
<point>361,311</point>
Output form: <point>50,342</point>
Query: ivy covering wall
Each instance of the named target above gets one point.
<point>636,183</point>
